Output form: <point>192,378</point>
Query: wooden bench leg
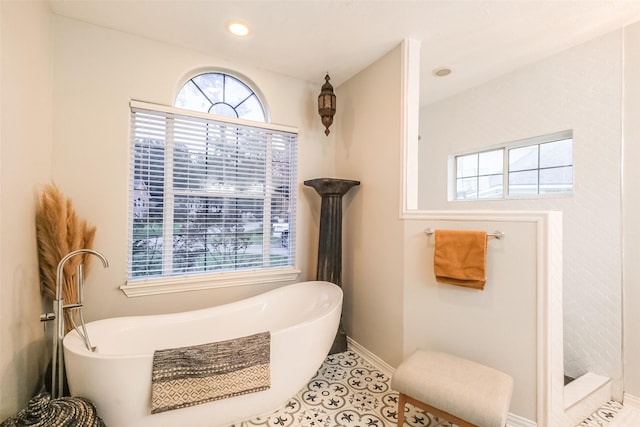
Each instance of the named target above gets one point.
<point>402,399</point>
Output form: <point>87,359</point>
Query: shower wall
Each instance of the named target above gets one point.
<point>578,89</point>
<point>631,209</point>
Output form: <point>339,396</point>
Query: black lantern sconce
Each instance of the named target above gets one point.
<point>327,104</point>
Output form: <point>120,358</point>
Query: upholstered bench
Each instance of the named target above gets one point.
<point>458,390</point>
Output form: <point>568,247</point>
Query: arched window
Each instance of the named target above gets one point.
<point>221,94</point>
<point>210,193</point>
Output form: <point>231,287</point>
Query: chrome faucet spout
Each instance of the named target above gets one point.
<point>70,255</point>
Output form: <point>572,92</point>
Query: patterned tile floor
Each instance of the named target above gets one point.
<point>348,391</point>
<point>603,416</point>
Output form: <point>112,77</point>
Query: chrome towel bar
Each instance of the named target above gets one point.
<point>497,234</point>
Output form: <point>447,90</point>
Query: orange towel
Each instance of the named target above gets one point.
<point>460,258</point>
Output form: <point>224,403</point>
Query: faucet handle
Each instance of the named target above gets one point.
<point>46,317</point>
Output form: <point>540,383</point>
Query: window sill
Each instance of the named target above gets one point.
<point>526,197</point>
<point>166,285</point>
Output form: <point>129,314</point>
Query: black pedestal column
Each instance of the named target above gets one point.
<point>330,240</point>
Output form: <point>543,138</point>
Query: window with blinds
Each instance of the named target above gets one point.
<point>209,194</point>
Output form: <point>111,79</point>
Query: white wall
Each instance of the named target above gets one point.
<point>578,89</point>
<point>631,211</point>
<point>97,72</point>
<point>25,151</point>
<point>368,149</point>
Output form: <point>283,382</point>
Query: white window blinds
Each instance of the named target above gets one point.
<point>209,194</point>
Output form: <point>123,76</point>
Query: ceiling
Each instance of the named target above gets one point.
<point>304,39</point>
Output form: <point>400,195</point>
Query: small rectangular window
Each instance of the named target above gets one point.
<point>479,175</point>
<point>542,168</point>
<point>531,167</point>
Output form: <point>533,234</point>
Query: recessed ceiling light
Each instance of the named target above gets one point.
<point>442,71</point>
<point>238,28</point>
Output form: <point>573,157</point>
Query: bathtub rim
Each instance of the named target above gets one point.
<point>73,343</point>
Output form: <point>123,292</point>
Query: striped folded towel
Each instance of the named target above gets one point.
<point>189,376</point>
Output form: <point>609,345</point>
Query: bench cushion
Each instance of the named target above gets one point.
<point>466,389</point>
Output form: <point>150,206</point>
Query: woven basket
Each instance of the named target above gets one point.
<point>42,411</point>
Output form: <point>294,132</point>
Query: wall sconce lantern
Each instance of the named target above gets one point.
<point>327,104</point>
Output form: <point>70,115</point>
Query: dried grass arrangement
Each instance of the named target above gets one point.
<point>59,231</point>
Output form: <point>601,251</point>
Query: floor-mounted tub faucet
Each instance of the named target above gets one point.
<point>57,364</point>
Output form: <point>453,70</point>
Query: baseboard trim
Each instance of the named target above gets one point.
<point>631,400</point>
<point>518,421</point>
<point>370,357</point>
<point>512,419</point>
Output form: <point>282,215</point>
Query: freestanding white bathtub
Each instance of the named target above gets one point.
<point>302,318</point>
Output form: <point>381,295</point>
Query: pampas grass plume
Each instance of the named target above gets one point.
<point>60,231</point>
